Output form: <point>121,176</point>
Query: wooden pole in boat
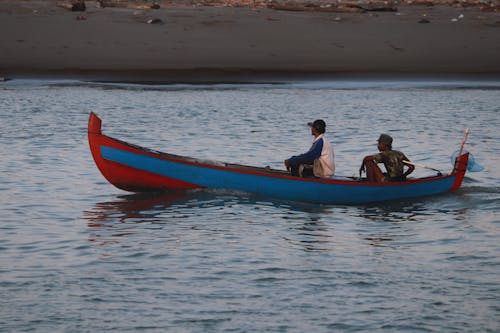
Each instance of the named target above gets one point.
<point>466,134</point>
<point>421,166</point>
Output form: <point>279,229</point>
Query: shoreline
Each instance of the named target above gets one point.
<point>235,43</point>
<point>203,77</point>
<point>318,80</point>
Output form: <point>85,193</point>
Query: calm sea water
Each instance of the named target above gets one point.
<point>78,255</point>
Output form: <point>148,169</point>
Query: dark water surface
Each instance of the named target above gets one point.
<point>78,255</point>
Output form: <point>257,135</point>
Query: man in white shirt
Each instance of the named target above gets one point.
<point>319,158</point>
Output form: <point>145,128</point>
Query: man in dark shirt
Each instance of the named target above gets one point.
<point>393,161</point>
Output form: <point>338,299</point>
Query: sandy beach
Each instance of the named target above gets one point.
<point>193,41</point>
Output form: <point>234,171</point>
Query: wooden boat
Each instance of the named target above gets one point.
<point>136,169</point>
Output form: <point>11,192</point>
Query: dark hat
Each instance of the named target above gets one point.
<point>386,139</point>
<point>318,124</point>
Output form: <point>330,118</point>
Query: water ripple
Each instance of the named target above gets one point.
<point>78,255</point>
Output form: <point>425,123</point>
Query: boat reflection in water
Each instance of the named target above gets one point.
<point>397,224</point>
<point>136,215</point>
<point>133,207</point>
<point>125,215</point>
<point>172,219</point>
<point>180,215</point>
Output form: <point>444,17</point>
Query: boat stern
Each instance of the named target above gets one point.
<point>459,170</point>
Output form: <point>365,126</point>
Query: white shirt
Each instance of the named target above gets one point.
<point>324,166</point>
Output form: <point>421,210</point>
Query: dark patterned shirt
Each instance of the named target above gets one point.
<point>393,162</point>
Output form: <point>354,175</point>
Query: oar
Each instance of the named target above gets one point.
<point>422,166</point>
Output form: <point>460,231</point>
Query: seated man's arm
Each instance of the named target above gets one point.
<point>309,156</point>
<point>411,167</point>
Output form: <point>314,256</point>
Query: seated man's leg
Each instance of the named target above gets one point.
<point>373,172</point>
<point>295,166</point>
<point>306,171</point>
<point>294,169</point>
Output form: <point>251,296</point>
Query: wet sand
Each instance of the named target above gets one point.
<point>193,42</point>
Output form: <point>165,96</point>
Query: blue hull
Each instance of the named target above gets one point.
<point>284,187</point>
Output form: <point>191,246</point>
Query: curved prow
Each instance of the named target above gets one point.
<point>127,177</point>
<point>459,170</point>
<point>95,124</point>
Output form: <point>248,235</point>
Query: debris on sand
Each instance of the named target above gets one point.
<point>154,21</point>
<point>74,5</point>
<point>128,4</point>
<point>342,6</point>
<point>354,6</point>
